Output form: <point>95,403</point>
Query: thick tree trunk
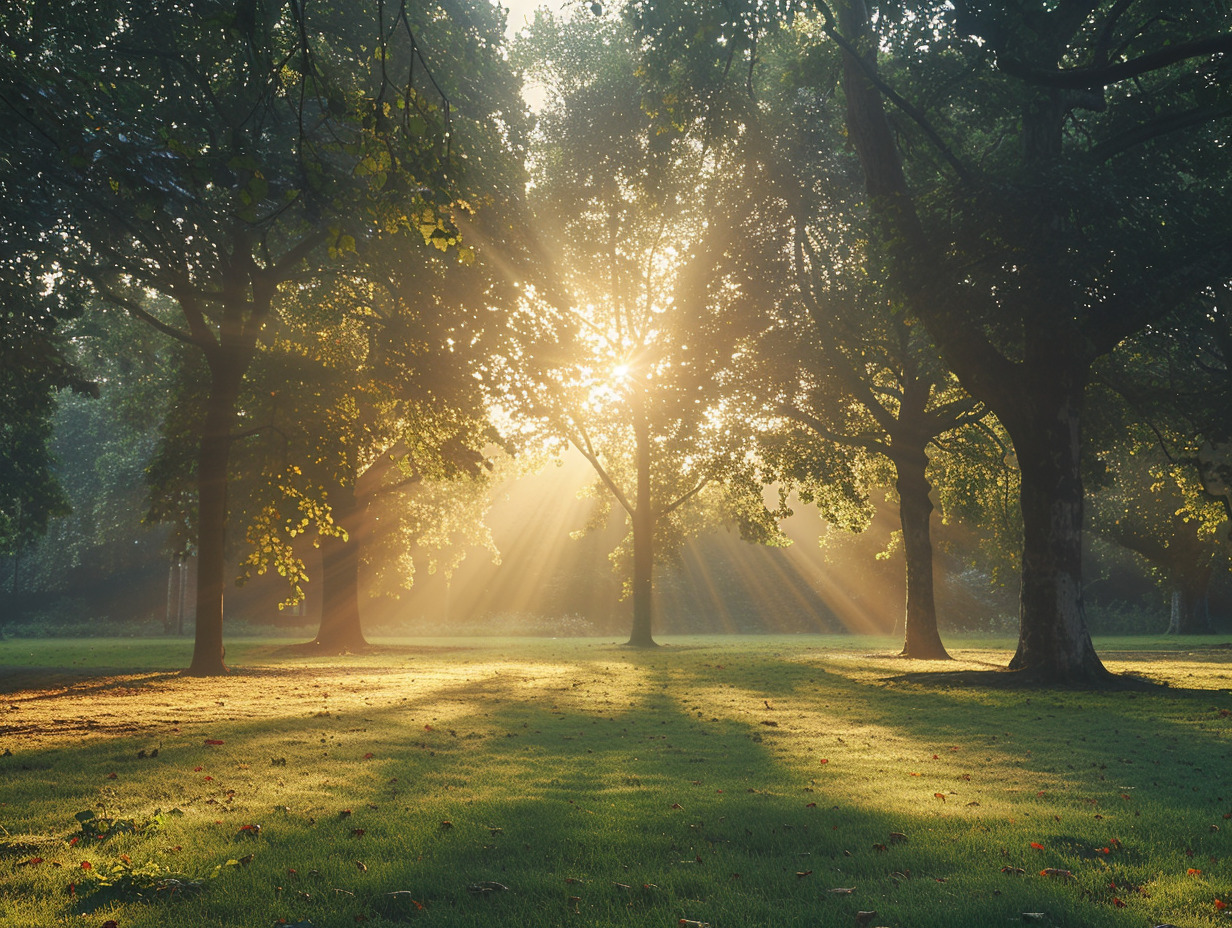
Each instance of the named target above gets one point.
<point>340,628</point>
<point>1053,642</point>
<point>643,539</point>
<point>921,638</point>
<point>212,462</point>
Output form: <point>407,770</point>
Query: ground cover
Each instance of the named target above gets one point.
<point>785,781</point>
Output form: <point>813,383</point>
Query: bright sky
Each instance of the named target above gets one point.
<point>520,10</point>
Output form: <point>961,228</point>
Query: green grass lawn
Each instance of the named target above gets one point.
<point>737,781</point>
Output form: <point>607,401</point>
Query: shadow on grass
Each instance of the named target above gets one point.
<point>602,800</point>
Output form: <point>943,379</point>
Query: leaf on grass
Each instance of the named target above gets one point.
<point>676,805</point>
<point>843,890</point>
<point>1014,871</point>
<point>214,741</point>
<point>1037,845</point>
<point>801,874</point>
<point>897,837</point>
<point>940,796</point>
<point>1220,905</point>
<point>487,887</point>
<point>1117,903</point>
<point>1193,871</point>
<point>363,867</point>
<point>1057,872</point>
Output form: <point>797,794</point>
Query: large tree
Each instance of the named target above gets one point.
<point>213,153</point>
<point>1064,205</point>
<point>1048,179</point>
<point>643,226</point>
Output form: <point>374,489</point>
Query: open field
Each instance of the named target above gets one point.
<point>735,781</point>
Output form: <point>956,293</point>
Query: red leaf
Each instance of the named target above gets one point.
<point>369,756</point>
<point>826,760</point>
<point>31,862</point>
<point>429,728</point>
<point>1037,845</point>
<point>1193,871</point>
<point>1219,904</point>
<point>197,769</point>
<point>86,865</point>
<point>213,741</point>
<point>940,796</point>
<point>208,779</point>
<point>1118,903</point>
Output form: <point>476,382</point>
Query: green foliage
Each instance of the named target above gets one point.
<point>95,827</point>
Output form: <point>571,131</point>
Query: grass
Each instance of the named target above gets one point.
<point>733,781</point>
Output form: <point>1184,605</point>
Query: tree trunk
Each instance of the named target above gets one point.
<point>1053,643</point>
<point>340,629</point>
<point>643,538</point>
<point>1190,603</point>
<point>212,463</point>
<point>921,638</point>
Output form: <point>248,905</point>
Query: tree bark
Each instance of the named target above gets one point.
<point>1054,645</point>
<point>921,638</point>
<point>213,458</point>
<point>643,537</point>
<point>340,628</point>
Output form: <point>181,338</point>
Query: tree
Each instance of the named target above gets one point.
<point>639,227</point>
<point>1017,161</point>
<point>1033,262</point>
<point>210,155</point>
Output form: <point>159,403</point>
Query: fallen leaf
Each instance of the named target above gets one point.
<point>1037,845</point>
<point>363,867</point>
<point>1193,871</point>
<point>213,741</point>
<point>843,890</point>
<point>86,865</point>
<point>940,796</point>
<point>1014,871</point>
<point>897,837</point>
<point>1057,872</point>
<point>800,874</point>
<point>1117,903</point>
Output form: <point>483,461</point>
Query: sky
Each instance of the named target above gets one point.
<point>521,10</point>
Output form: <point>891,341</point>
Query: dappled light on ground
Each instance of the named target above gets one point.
<point>733,781</point>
